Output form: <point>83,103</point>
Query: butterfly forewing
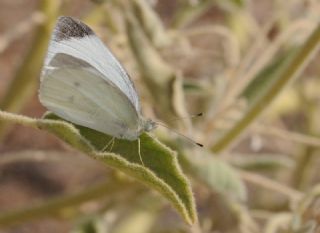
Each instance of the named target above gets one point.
<point>84,83</point>
<point>72,37</point>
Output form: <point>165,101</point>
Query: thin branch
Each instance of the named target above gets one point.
<point>6,117</point>
<point>267,183</point>
<point>20,29</point>
<point>56,205</point>
<point>288,135</point>
<point>242,76</point>
<point>293,68</point>
<point>24,84</point>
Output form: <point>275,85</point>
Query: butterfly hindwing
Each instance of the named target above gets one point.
<point>76,91</point>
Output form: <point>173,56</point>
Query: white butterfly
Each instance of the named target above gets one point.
<point>82,82</point>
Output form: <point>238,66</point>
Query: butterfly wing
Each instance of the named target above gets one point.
<point>76,91</point>
<point>74,38</point>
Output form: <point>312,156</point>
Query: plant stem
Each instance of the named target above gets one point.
<point>188,13</point>
<point>269,184</point>
<point>293,68</point>
<point>56,205</point>
<point>7,117</point>
<point>301,173</point>
<point>25,82</point>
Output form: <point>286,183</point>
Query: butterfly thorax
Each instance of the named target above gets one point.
<point>145,125</point>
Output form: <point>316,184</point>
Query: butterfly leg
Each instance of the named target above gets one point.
<point>139,151</point>
<point>110,143</point>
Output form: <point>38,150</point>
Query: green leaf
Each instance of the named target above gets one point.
<point>232,5</point>
<point>215,173</point>
<point>161,171</point>
<point>90,225</point>
<point>266,76</point>
<point>138,221</point>
<point>220,176</point>
<point>262,162</point>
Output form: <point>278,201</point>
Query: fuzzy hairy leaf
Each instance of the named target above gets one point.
<point>264,162</point>
<point>161,171</point>
<point>266,76</point>
<point>217,174</point>
<point>221,177</point>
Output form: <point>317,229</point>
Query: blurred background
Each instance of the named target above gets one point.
<point>227,59</point>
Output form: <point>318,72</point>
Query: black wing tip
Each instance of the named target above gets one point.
<point>199,144</point>
<point>68,27</point>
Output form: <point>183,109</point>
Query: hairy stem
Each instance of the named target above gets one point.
<point>293,68</point>
<point>25,82</point>
<point>58,204</point>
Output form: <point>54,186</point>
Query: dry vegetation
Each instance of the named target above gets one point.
<point>250,67</point>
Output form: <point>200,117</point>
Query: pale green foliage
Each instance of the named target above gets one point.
<point>232,70</point>
<point>220,176</point>
<point>160,171</point>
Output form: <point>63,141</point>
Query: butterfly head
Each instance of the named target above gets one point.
<point>148,125</point>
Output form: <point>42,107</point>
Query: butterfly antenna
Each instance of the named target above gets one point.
<point>180,134</point>
<point>187,117</point>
